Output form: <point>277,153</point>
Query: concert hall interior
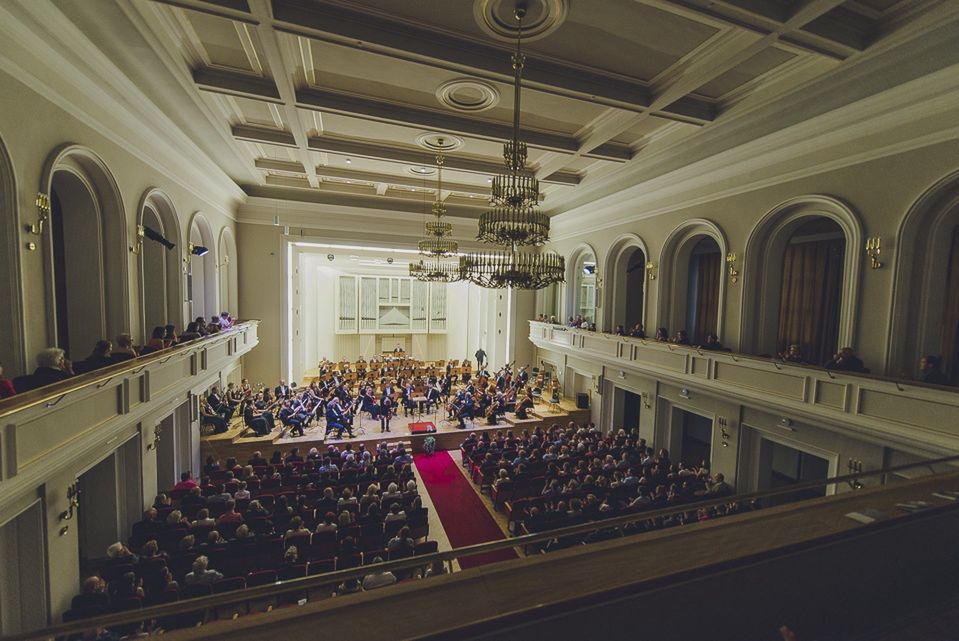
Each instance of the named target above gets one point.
<point>479,319</point>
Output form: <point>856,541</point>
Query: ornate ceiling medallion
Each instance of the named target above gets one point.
<point>468,94</point>
<point>496,18</point>
<point>439,142</point>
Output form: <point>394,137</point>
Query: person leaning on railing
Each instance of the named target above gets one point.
<point>6,386</point>
<point>52,367</point>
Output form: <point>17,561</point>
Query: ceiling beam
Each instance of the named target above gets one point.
<point>376,33</point>
<point>231,9</point>
<point>767,18</point>
<point>236,84</point>
<point>269,42</point>
<point>406,156</point>
<point>406,181</point>
<point>250,133</point>
<point>290,166</point>
<point>409,115</point>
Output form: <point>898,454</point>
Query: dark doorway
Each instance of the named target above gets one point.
<point>697,445</point>
<point>782,466</point>
<point>632,404</point>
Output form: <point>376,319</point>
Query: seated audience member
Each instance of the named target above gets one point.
<point>123,350</point>
<point>711,343</point>
<point>6,386</point>
<point>187,482</point>
<point>203,519</point>
<point>52,367</point>
<point>200,574</point>
<point>169,335</point>
<point>719,487</point>
<point>680,338</point>
<point>845,360</point>
<point>436,568</point>
<point>401,545</point>
<point>100,357</point>
<point>214,325</point>
<point>375,580</point>
<point>93,594</point>
<point>226,321</point>
<point>349,586</point>
<point>662,335</point>
<point>120,553</point>
<point>637,331</point>
<point>201,325</point>
<point>929,371</point>
<point>191,333</point>
<point>619,331</point>
<point>793,354</point>
<point>156,342</point>
<point>257,460</point>
<point>230,516</point>
<point>127,586</point>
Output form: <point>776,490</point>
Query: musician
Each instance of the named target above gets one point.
<point>432,396</point>
<point>467,408</point>
<point>338,419</point>
<point>282,390</point>
<point>367,401</point>
<point>385,412</point>
<point>496,409</point>
<point>289,417</point>
<point>408,405</point>
<point>522,410</point>
<point>524,375</point>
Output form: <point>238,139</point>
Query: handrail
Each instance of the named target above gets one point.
<point>101,377</point>
<point>737,357</point>
<point>306,583</point>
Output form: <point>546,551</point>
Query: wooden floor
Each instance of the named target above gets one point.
<point>240,442</point>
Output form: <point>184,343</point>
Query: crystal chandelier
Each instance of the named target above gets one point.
<point>513,219</point>
<point>438,243</point>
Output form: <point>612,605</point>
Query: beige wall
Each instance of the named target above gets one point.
<point>261,253</point>
<point>880,192</point>
<point>32,128</point>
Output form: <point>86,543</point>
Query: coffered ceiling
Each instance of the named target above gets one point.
<point>350,101</point>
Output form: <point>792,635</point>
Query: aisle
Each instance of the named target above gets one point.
<point>464,517</point>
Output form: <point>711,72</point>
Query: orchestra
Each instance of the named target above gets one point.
<point>378,388</point>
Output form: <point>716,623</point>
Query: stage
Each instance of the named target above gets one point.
<point>240,442</point>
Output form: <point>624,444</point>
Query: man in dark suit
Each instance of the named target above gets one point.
<point>282,390</point>
<point>929,371</point>
<point>258,460</point>
<point>336,419</point>
<point>52,367</point>
<point>220,404</point>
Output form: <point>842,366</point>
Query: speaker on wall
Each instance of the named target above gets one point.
<point>582,401</point>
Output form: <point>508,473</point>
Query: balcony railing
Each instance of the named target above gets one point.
<point>48,417</point>
<point>208,609</point>
<point>895,411</point>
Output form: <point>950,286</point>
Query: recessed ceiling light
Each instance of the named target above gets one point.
<point>349,162</point>
<point>414,188</point>
<point>489,180</point>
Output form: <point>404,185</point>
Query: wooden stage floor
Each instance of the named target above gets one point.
<point>240,442</point>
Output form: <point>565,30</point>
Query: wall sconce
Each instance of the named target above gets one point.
<point>43,214</point>
<point>157,430</point>
<point>855,467</point>
<point>646,403</point>
<point>722,429</point>
<point>73,495</point>
<point>731,259</point>
<point>786,423</point>
<point>138,240</point>
<point>684,393</point>
<point>651,270</point>
<point>873,249</point>
<point>622,375</point>
<point>226,259</point>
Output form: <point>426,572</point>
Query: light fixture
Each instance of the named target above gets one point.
<point>731,259</point>
<point>349,162</point>
<point>513,219</point>
<point>330,257</point>
<point>873,249</point>
<point>154,236</point>
<point>43,214</point>
<point>138,240</point>
<point>651,270</point>
<point>198,250</point>
<point>437,245</point>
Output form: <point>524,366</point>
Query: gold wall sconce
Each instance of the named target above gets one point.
<point>646,403</point>
<point>73,495</point>
<point>138,240</point>
<point>157,430</point>
<point>731,259</point>
<point>873,249</point>
<point>651,270</point>
<point>43,214</point>
<point>722,430</point>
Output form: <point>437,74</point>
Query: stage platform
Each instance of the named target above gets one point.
<point>239,442</point>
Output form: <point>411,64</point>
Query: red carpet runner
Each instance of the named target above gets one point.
<point>465,518</point>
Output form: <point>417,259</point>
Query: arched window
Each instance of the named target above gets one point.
<point>801,279</point>
<point>161,300</point>
<point>11,339</point>
<point>581,286</point>
<point>87,248</point>
<point>550,301</point>
<point>925,306</point>
<point>201,269</point>
<point>227,272</point>
<point>812,276</point>
<point>692,287</point>
<point>626,283</point>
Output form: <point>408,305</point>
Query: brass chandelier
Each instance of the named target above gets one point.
<point>438,244</point>
<point>513,219</point>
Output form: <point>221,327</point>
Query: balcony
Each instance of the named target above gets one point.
<point>880,409</point>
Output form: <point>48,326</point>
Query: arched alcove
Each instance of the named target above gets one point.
<point>86,251</point>
<point>581,283</point>
<point>683,296</point>
<point>11,339</point>
<point>201,270</point>
<point>764,264</point>
<point>227,270</point>
<point>161,298</point>
<point>626,282</point>
<point>921,297</point>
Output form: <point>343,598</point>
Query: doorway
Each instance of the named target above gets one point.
<point>781,465</point>
<point>696,438</point>
<point>98,511</point>
<point>23,592</point>
<point>632,405</point>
